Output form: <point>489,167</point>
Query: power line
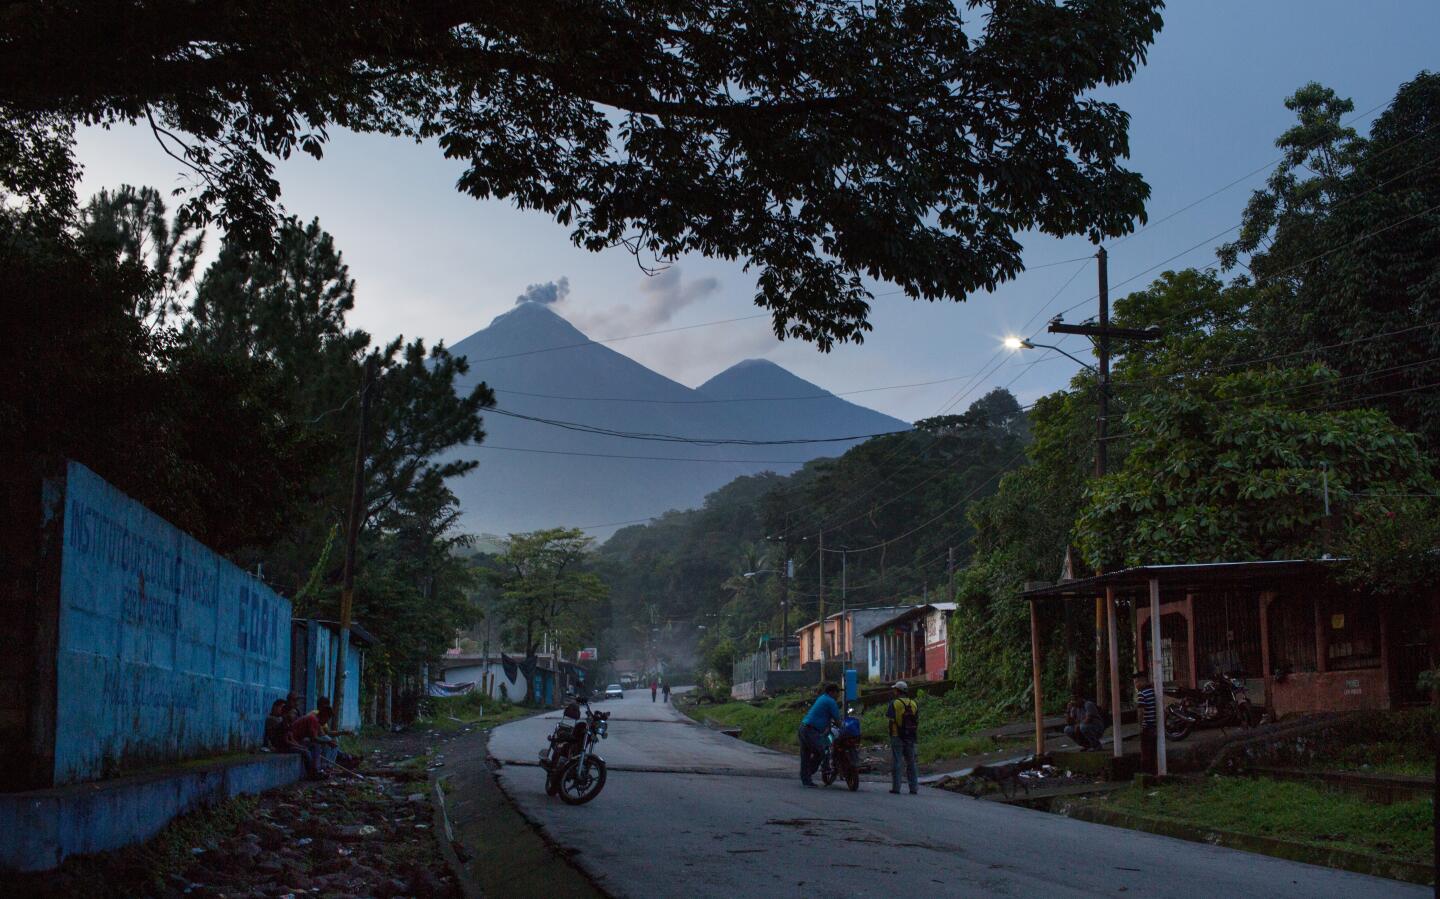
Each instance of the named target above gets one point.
<point>1339,205</point>
<point>1026,268</point>
<point>748,399</point>
<point>1245,177</point>
<point>696,441</point>
<point>1316,385</point>
<point>545,452</point>
<point>1241,363</point>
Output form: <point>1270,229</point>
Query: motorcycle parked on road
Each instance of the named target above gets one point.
<point>1220,702</point>
<point>572,769</point>
<point>842,752</point>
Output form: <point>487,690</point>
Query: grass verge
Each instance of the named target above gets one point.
<point>946,731</point>
<point>1288,810</point>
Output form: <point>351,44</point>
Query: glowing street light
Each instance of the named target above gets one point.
<point>1020,343</point>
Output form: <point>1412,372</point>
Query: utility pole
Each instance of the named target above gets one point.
<point>845,656</point>
<point>785,576</point>
<point>821,555</point>
<point>352,533</point>
<point>1101,333</point>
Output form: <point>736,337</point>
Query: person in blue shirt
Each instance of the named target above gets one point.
<point>812,731</point>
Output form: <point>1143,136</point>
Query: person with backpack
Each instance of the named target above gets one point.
<point>904,717</point>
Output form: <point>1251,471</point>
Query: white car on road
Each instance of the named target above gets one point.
<point>614,692</point>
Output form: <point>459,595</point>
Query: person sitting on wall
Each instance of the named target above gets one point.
<point>311,741</point>
<point>277,727</point>
<point>1083,722</point>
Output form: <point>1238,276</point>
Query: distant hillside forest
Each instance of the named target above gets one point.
<point>1302,376</point>
<point>892,511</point>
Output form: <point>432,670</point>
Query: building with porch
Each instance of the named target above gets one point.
<point>912,643</point>
<point>840,634</point>
<point>1306,640</point>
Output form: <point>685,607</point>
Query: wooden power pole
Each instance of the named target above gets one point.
<point>1101,333</point>
<point>352,534</point>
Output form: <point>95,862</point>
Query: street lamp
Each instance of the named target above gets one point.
<point>786,574</point>
<point>1020,343</point>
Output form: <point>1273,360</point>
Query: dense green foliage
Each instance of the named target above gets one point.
<point>1261,393</point>
<point>822,142</point>
<point>894,505</point>
<point>226,403</point>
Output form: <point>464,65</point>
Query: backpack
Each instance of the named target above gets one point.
<point>907,723</point>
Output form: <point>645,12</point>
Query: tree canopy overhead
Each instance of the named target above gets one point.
<point>819,141</point>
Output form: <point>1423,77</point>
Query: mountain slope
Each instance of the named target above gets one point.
<point>534,475</point>
<point>773,404</point>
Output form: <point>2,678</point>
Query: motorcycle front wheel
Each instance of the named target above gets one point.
<point>1177,728</point>
<point>578,787</point>
<point>852,779</point>
<point>827,774</point>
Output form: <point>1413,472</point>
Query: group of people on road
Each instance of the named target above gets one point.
<point>657,686</point>
<point>308,735</point>
<point>903,716</point>
<point>1084,723</point>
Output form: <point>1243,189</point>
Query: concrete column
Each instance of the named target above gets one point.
<point>1157,676</point>
<point>1190,639</point>
<point>1266,597</point>
<point>1035,673</point>
<point>1111,629</point>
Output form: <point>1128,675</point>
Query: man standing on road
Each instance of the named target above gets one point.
<point>653,687</point>
<point>812,732</point>
<point>1145,705</point>
<point>666,691</point>
<point>904,717</point>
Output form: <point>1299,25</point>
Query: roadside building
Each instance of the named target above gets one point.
<point>314,660</point>
<point>912,644</point>
<point>502,676</point>
<point>1307,641</point>
<point>844,636</point>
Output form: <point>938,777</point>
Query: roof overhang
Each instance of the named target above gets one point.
<point>1197,576</point>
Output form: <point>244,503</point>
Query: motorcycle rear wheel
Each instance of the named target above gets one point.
<point>1177,728</point>
<point>579,787</point>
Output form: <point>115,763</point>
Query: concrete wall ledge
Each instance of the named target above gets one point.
<point>42,828</point>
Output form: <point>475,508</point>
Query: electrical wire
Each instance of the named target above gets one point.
<point>694,441</point>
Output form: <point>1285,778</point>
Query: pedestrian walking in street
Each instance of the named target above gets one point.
<point>653,687</point>
<point>1145,705</point>
<point>666,691</point>
<point>812,731</point>
<point>904,717</point>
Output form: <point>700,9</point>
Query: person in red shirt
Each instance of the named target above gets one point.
<point>308,736</point>
<point>653,687</point>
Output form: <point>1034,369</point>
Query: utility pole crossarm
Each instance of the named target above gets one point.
<point>1059,327</point>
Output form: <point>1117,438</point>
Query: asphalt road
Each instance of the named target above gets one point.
<point>688,811</point>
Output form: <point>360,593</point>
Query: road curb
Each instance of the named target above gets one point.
<point>555,852</point>
<point>445,835</point>
<point>1343,859</point>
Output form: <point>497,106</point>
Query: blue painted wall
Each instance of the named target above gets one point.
<point>166,650</point>
<point>323,650</point>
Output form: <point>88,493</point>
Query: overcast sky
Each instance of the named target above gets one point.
<point>1205,110</point>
